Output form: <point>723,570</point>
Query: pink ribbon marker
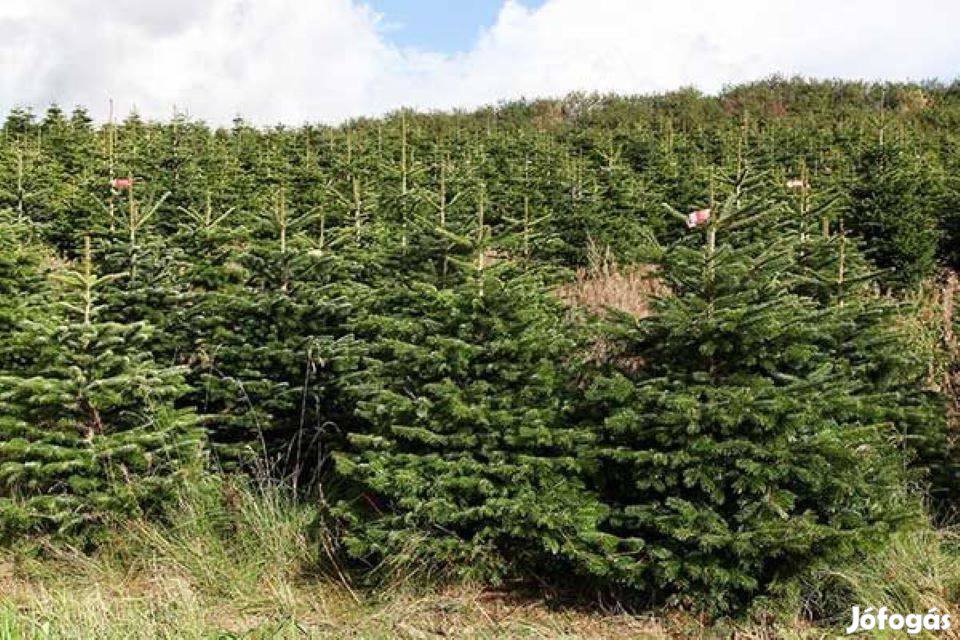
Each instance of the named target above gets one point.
<point>698,218</point>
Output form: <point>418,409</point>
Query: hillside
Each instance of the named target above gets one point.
<point>600,366</point>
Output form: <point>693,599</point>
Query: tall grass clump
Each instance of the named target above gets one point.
<point>228,553</point>
<point>914,572</point>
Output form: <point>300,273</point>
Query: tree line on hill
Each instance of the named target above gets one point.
<point>370,310</point>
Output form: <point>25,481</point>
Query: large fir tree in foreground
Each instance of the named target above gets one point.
<point>461,460</point>
<point>743,445</point>
<point>88,429</point>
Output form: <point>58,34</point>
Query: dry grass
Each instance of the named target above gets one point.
<point>73,598</point>
<point>930,328</point>
<point>604,286</point>
<point>628,289</point>
<point>237,561</point>
<point>174,606</point>
<point>77,597</point>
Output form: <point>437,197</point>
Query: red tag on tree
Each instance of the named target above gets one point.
<point>698,218</point>
<point>121,183</point>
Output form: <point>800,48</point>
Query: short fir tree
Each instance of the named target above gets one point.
<point>461,461</point>
<point>88,426</point>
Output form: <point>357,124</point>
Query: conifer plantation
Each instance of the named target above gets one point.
<point>676,354</point>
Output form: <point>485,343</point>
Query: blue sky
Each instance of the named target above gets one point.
<point>444,26</point>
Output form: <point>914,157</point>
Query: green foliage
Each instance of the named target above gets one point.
<point>743,446</point>
<point>896,206</point>
<point>270,338</point>
<point>22,269</point>
<point>462,461</point>
<point>89,429</point>
<point>382,292</point>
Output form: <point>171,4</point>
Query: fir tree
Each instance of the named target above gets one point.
<point>896,206</point>
<point>617,206</point>
<point>149,286</point>
<point>268,346</point>
<point>740,447</point>
<point>30,183</point>
<point>23,266</point>
<point>834,272</point>
<point>460,460</point>
<point>88,428</point>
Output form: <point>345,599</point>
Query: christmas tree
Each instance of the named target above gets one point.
<point>896,206</point>
<point>834,272</point>
<point>271,337</point>
<point>23,265</point>
<point>737,445</point>
<point>88,426</point>
<point>460,459</point>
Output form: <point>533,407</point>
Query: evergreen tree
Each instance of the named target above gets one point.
<point>148,287</point>
<point>950,221</point>
<point>31,183</point>
<point>23,265</point>
<point>268,347</point>
<point>88,428</point>
<point>834,272</point>
<point>460,460</point>
<point>604,203</point>
<point>737,446</point>
<point>896,205</point>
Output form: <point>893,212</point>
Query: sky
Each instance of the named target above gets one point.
<point>445,26</point>
<point>296,61</point>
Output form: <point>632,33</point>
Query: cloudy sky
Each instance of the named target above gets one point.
<point>325,60</point>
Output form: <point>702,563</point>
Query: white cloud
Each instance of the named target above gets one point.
<point>271,60</point>
<point>297,60</point>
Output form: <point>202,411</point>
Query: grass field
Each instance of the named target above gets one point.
<point>237,560</point>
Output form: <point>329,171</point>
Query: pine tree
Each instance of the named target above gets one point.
<point>23,265</point>
<point>950,222</point>
<point>31,183</point>
<point>617,209</point>
<point>834,272</point>
<point>738,446</point>
<point>88,427</point>
<point>268,346</point>
<point>149,286</point>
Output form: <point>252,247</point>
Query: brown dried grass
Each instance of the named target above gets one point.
<point>603,285</point>
<point>629,290</point>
